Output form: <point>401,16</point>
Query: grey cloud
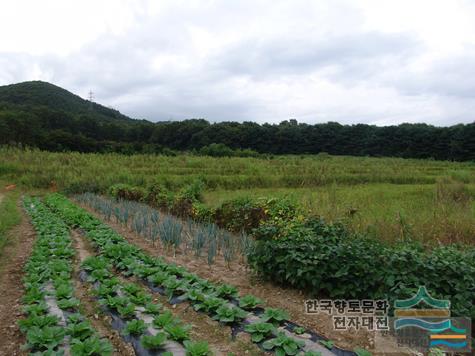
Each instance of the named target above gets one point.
<point>451,77</point>
<point>351,55</point>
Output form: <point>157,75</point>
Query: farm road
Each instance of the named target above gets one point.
<point>15,254</point>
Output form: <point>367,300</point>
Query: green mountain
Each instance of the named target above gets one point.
<point>34,94</point>
<point>43,115</point>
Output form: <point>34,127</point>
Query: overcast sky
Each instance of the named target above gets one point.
<point>352,61</point>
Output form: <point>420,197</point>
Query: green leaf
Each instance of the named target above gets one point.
<point>134,327</point>
<point>153,342</point>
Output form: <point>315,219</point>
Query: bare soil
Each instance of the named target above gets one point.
<point>203,328</point>
<point>15,254</point>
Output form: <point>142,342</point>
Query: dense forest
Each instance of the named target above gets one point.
<point>39,114</point>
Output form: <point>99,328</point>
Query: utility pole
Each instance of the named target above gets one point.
<point>91,99</point>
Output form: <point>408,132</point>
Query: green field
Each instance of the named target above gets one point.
<point>388,198</point>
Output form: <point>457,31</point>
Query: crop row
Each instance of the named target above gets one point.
<point>189,236</point>
<point>127,302</point>
<point>146,325</point>
<point>53,324</point>
<point>268,327</point>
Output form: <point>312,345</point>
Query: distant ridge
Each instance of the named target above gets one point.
<point>35,94</point>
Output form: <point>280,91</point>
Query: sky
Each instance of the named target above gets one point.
<point>379,62</point>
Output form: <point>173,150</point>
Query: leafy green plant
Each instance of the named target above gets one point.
<point>249,302</point>
<point>312,353</point>
<point>47,337</point>
<point>299,330</point>
<point>259,331</point>
<point>127,311</point>
<point>158,278</point>
<point>98,275</point>
<point>92,263</point>
<point>39,321</point>
<point>229,314</point>
<point>35,309</point>
<point>178,332</point>
<point>297,256</point>
<point>200,348</point>
<point>92,346</point>
<point>135,327</point>
<point>81,330</point>
<point>131,288</point>
<point>283,345</point>
<point>141,298</point>
<point>327,343</point>
<point>114,302</point>
<point>174,286</point>
<point>75,318</point>
<point>64,291</point>
<point>226,290</point>
<point>362,352</point>
<point>33,295</point>
<point>195,296</point>
<point>210,304</point>
<point>68,303</point>
<point>275,316</point>
<point>153,308</point>
<point>154,342</point>
<point>104,291</point>
<point>164,319</point>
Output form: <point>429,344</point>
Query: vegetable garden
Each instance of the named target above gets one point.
<point>124,280</point>
<point>139,292</point>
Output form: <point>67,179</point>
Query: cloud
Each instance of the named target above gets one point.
<point>361,53</point>
<point>448,76</point>
<point>265,61</point>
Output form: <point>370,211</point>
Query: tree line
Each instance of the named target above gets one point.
<point>59,130</point>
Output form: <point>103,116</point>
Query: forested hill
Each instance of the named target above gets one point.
<point>43,115</point>
<point>36,94</point>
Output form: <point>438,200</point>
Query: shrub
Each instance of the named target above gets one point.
<point>329,261</point>
<point>127,192</point>
<point>216,150</point>
<point>188,195</point>
<point>242,214</point>
<point>201,213</point>
<point>159,196</point>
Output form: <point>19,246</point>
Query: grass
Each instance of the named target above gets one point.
<point>9,216</point>
<point>390,198</point>
<point>75,171</point>
<point>387,211</point>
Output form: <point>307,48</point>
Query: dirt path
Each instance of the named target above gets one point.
<point>203,328</point>
<point>15,254</point>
